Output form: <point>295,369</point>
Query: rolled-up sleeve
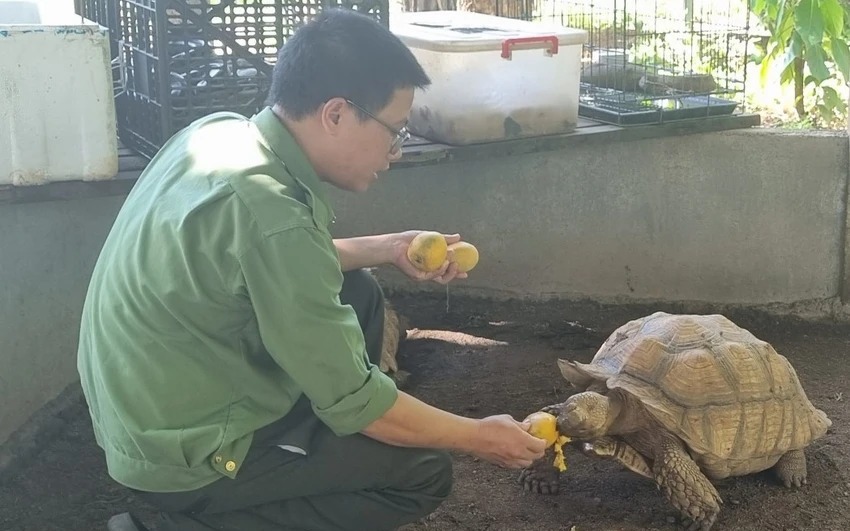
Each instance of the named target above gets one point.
<point>293,279</point>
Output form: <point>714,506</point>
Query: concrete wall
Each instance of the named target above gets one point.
<point>747,217</point>
<point>741,217</point>
<point>47,252</point>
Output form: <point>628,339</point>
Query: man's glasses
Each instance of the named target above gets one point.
<point>400,135</point>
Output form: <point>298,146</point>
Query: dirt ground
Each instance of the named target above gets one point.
<point>481,358</point>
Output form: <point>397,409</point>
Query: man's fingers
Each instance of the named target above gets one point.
<point>538,446</point>
<point>447,272</point>
<point>518,463</point>
<point>451,238</point>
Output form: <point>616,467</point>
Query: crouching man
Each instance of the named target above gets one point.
<point>229,346</point>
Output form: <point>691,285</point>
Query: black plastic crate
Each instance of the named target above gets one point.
<point>102,12</point>
<point>184,59</point>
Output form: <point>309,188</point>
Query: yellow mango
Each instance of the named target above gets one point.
<point>560,461</point>
<point>427,251</point>
<point>545,426</point>
<point>465,254</point>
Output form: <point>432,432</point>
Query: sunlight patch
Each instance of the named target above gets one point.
<point>458,338</point>
<point>225,146</point>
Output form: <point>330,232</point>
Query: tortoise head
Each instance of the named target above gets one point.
<point>584,416</point>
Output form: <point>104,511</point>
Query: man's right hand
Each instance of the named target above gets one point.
<point>507,443</point>
<point>498,439</point>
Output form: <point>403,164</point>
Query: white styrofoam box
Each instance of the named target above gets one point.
<point>57,112</point>
<point>493,78</point>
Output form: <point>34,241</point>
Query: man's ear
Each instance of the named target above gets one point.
<point>332,113</point>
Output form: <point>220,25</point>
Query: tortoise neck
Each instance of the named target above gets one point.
<point>623,416</point>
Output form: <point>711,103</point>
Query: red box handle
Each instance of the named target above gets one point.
<point>551,40</point>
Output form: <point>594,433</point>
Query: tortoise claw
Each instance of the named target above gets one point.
<point>791,469</point>
<point>541,477</point>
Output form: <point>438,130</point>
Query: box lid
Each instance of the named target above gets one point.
<point>463,31</point>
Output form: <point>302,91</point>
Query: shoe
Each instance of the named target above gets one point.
<point>125,522</point>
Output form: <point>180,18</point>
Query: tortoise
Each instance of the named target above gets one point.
<point>395,331</point>
<point>686,400</point>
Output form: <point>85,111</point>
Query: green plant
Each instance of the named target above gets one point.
<point>807,35</point>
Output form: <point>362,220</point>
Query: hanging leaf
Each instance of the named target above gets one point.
<point>781,17</point>
<point>764,71</point>
<point>833,16</point>
<point>817,63</point>
<point>841,54</point>
<point>832,99</point>
<point>787,75</point>
<point>784,23</point>
<point>809,21</point>
<point>794,50</point>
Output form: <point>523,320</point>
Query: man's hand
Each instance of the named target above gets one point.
<point>445,274</point>
<point>498,439</point>
<point>506,442</point>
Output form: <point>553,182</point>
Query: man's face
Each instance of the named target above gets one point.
<point>364,148</point>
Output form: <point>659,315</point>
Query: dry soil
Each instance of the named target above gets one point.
<point>483,357</point>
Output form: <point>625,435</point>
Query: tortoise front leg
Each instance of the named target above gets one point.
<point>685,486</point>
<point>611,448</point>
<point>542,476</point>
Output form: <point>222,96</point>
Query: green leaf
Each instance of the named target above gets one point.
<point>784,24</point>
<point>764,71</point>
<point>787,75</point>
<point>794,50</point>
<point>781,14</point>
<point>816,60</point>
<point>841,55</point>
<point>833,16</point>
<point>757,6</point>
<point>832,99</point>
<point>809,21</point>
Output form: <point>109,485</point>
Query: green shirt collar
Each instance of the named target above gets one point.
<point>287,150</point>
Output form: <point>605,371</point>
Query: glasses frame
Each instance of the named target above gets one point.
<point>400,136</point>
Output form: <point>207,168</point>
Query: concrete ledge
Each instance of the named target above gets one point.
<point>746,217</point>
<point>417,153</point>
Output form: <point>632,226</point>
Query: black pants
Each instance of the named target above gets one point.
<point>343,483</point>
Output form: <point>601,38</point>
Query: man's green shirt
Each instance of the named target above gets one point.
<point>214,306</point>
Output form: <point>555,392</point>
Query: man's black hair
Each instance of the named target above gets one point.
<point>342,53</point>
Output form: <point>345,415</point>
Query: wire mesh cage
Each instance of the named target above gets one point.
<point>652,61</point>
<point>183,59</point>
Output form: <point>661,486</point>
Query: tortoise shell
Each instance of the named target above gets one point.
<point>723,391</point>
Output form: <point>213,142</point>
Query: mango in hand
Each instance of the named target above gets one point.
<point>545,426</point>
<point>465,254</point>
<point>427,251</point>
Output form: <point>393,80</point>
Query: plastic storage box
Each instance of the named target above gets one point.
<point>493,78</point>
<point>57,114</point>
